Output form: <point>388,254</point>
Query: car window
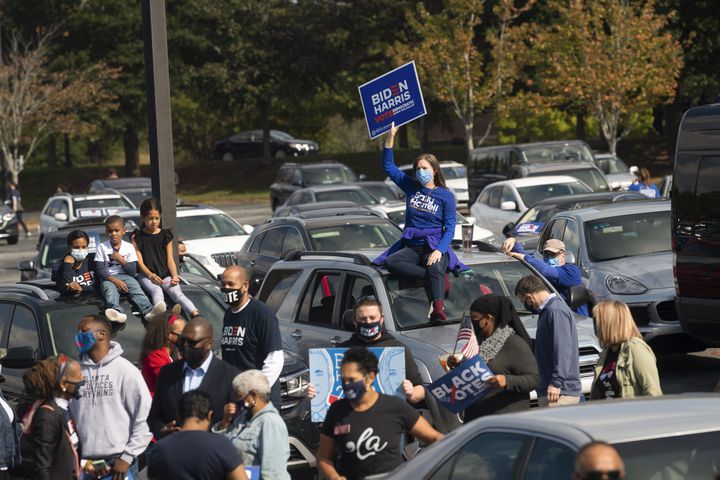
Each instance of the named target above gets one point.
<point>294,199</point>
<point>495,195</point>
<point>52,208</point>
<point>572,238</point>
<point>208,226</point>
<point>628,235</point>
<point>5,309</point>
<point>354,236</point>
<point>533,194</point>
<point>276,287</point>
<point>283,175</point>
<point>319,302</point>
<point>272,243</point>
<point>559,153</point>
<point>358,287</point>
<point>361,197</point>
<point>508,195</point>
<point>100,207</point>
<point>556,229</point>
<point>484,197</point>
<point>306,198</point>
<point>489,456</point>
<point>329,175</point>
<point>682,457</point>
<point>23,331</point>
<point>592,178</point>
<point>293,241</point>
<point>451,173</point>
<point>296,176</point>
<point>549,461</point>
<point>63,208</point>
<point>257,241</point>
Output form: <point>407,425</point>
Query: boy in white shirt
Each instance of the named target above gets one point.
<point>116,264</point>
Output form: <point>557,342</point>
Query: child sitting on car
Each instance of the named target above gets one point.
<point>116,264</point>
<point>75,275</point>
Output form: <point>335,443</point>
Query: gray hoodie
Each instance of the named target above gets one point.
<point>111,414</point>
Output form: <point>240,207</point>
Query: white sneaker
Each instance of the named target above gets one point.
<point>156,310</point>
<point>115,316</point>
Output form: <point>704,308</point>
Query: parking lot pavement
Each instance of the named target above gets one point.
<point>11,255</point>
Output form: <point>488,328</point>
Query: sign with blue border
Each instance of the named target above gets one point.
<point>393,97</point>
<point>463,385</point>
<point>325,376</point>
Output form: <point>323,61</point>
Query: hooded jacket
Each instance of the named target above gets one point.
<point>111,414</point>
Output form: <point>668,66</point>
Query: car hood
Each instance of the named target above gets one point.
<point>210,246</point>
<point>455,183</point>
<point>654,270</point>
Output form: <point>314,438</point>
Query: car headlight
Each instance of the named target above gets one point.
<point>7,217</point>
<point>620,285</point>
<point>295,385</point>
<point>300,146</point>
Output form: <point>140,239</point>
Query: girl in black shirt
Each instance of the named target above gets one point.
<point>156,260</point>
<point>364,429</point>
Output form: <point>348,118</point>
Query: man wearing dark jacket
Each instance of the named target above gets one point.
<point>556,344</point>
<point>199,370</point>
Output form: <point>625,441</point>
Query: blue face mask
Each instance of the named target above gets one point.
<point>423,175</point>
<point>354,391</point>
<point>552,261</point>
<point>84,341</point>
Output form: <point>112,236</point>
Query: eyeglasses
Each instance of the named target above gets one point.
<point>190,342</point>
<point>601,475</point>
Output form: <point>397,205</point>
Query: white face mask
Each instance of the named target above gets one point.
<point>79,254</point>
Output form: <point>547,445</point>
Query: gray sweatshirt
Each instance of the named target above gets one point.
<point>111,414</point>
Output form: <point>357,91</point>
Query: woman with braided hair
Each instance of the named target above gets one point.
<point>53,382</point>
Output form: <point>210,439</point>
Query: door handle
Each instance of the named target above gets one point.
<point>296,334</point>
<point>335,340</point>
<point>252,263</point>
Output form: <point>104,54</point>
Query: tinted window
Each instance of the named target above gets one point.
<point>495,195</point>
<point>628,235</point>
<point>5,309</point>
<point>684,457</point>
<point>354,236</point>
<point>533,194</point>
<point>276,287</point>
<point>23,331</point>
<point>556,229</point>
<point>293,241</point>
<point>257,241</point>
<point>284,175</point>
<point>507,194</point>
<point>451,173</point>
<point>572,238</point>
<point>489,456</point>
<point>550,461</point>
<point>329,175</point>
<point>100,207</point>
<point>272,243</point>
<point>358,196</point>
<point>592,178</point>
<point>295,198</point>
<point>54,247</point>
<point>319,301</point>
<point>708,198</point>
<point>382,191</point>
<point>207,226</point>
<point>558,153</point>
<point>484,197</point>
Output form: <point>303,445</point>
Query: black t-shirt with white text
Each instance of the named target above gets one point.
<point>368,443</point>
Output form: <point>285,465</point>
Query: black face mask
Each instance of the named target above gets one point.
<point>194,357</point>
<point>232,296</point>
<point>529,307</point>
<point>78,386</point>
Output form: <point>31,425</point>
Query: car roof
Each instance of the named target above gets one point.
<point>326,163</point>
<point>196,210</point>
<point>448,163</point>
<point>308,207</point>
<point>124,183</point>
<point>522,146</point>
<point>559,166</point>
<point>619,421</point>
<point>87,196</point>
<point>333,187</point>
<point>339,219</point>
<point>533,181</point>
<point>617,209</point>
<point>587,197</point>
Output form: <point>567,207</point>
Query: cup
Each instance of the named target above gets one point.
<point>467,236</point>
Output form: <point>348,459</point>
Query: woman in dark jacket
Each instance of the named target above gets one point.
<point>505,346</point>
<point>53,382</point>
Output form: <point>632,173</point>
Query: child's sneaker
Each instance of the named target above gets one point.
<point>156,310</point>
<point>115,316</point>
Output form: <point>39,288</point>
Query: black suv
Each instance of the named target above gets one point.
<point>36,323</point>
<point>322,230</point>
<point>294,176</point>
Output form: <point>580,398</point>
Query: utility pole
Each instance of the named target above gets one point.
<point>157,79</point>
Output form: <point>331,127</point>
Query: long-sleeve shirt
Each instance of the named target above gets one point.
<point>556,349</point>
<point>425,208</point>
<point>562,277</point>
<point>83,276</point>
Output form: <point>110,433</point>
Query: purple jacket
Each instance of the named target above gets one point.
<point>432,236</point>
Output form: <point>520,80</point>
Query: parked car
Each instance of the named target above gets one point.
<point>384,192</point>
<point>294,176</point>
<point>304,208</point>
<point>616,171</point>
<point>249,144</point>
<point>36,323</point>
<point>330,193</point>
<point>503,202</point>
<point>8,224</point>
<point>136,189</point>
<point>670,437</point>
<point>623,251</point>
<point>531,224</point>
<point>313,295</point>
<point>492,164</point>
<point>455,178</point>
<point>63,208</point>
<point>212,234</point>
<point>316,230</point>
<point>587,173</point>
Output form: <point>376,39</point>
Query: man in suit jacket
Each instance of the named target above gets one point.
<point>200,370</point>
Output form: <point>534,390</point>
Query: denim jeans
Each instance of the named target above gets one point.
<point>412,263</point>
<point>136,294</point>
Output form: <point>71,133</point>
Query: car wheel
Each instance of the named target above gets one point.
<point>12,240</point>
<point>228,157</point>
<point>280,154</point>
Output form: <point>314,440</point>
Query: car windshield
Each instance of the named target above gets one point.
<point>592,178</point>
<point>354,236</point>
<point>682,457</point>
<point>281,135</point>
<point>451,173</point>
<point>358,196</point>
<point>328,175</point>
<point>533,221</point>
<point>137,196</point>
<point>612,165</point>
<point>380,191</point>
<point>628,235</point>
<point>410,303</point>
<point>533,194</point>
<point>208,226</point>
<point>558,153</point>
<point>100,207</point>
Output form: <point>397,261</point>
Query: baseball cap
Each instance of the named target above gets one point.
<point>554,245</point>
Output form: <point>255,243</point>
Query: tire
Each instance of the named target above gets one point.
<point>228,157</point>
<point>280,154</point>
<point>12,240</point>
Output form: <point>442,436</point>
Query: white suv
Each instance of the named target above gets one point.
<point>63,208</point>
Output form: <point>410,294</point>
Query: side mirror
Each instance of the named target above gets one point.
<point>26,266</point>
<point>615,186</point>
<point>577,295</point>
<point>471,220</point>
<point>19,357</point>
<point>61,217</point>
<point>248,228</point>
<point>634,170</point>
<point>508,206</point>
<point>570,258</point>
<point>362,177</point>
<point>507,229</point>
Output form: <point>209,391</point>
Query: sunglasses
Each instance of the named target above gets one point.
<point>600,475</point>
<point>190,342</point>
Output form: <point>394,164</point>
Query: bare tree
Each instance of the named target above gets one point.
<point>35,102</point>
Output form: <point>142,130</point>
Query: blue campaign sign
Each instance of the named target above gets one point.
<point>325,376</point>
<point>463,385</point>
<point>393,97</point>
<point>253,473</point>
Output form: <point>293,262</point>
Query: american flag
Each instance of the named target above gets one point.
<point>467,335</point>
